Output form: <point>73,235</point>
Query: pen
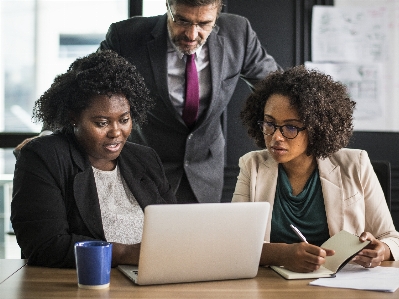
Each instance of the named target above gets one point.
<point>298,233</point>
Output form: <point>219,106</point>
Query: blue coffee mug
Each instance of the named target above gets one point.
<point>93,264</point>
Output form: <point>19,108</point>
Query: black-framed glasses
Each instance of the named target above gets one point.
<point>186,24</point>
<point>288,131</point>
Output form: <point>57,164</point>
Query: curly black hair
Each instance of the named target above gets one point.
<point>323,106</point>
<point>100,73</point>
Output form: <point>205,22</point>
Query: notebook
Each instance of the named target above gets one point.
<point>345,244</point>
<point>200,242</point>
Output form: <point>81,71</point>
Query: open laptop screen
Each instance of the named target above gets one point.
<point>200,242</point>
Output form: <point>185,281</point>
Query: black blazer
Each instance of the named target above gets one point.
<point>55,202</point>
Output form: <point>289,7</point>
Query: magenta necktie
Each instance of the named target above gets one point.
<point>191,104</point>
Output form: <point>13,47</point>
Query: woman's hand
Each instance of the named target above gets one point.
<point>304,257</point>
<point>298,257</point>
<point>125,254</point>
<point>374,253</point>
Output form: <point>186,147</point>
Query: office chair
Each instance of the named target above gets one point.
<point>383,171</point>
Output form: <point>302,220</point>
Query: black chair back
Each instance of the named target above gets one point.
<point>383,171</point>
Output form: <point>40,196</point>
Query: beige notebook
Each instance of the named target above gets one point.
<point>345,244</point>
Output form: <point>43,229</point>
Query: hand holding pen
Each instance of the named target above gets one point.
<point>305,257</point>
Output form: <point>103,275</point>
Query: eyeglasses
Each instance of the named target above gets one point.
<point>288,131</point>
<point>186,24</point>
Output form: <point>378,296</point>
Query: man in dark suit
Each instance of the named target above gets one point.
<point>226,49</point>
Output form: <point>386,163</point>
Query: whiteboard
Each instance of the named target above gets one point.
<point>359,46</point>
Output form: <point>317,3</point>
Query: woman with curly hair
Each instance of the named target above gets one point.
<point>86,181</point>
<point>304,120</point>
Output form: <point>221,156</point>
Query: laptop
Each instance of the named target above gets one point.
<point>200,242</point>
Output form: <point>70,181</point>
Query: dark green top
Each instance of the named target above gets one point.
<point>306,211</point>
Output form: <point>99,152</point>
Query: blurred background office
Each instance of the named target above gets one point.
<point>40,38</point>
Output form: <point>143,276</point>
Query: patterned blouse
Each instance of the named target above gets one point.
<point>121,214</point>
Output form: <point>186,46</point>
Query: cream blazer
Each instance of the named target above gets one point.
<point>353,197</point>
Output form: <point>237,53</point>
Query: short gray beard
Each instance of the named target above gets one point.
<point>179,48</point>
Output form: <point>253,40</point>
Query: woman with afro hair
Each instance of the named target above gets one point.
<point>302,120</point>
<point>86,181</point>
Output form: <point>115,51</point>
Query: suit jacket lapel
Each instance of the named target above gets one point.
<point>157,51</point>
<point>136,178</point>
<point>216,60</point>
<point>85,193</point>
<point>264,186</point>
<point>330,178</point>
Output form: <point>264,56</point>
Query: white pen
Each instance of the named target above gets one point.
<point>298,233</point>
